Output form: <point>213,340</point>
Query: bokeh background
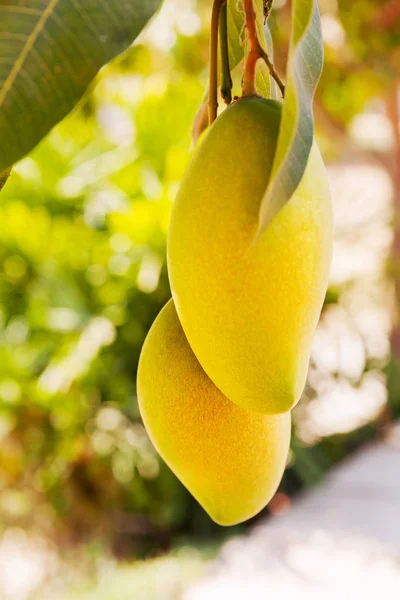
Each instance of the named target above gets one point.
<point>87,508</point>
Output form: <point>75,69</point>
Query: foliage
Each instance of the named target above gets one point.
<point>50,53</point>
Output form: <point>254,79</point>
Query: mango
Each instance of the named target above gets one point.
<point>230,459</point>
<point>249,307</point>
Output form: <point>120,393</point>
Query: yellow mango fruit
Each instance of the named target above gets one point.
<point>230,459</point>
<point>249,308</point>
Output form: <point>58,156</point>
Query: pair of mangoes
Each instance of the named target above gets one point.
<point>227,359</point>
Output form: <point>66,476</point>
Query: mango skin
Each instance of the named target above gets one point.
<point>230,459</point>
<point>249,310</point>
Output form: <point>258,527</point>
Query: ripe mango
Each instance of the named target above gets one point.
<point>249,308</point>
<point>230,459</point>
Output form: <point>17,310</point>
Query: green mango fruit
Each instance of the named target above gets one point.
<point>249,307</point>
<point>230,459</point>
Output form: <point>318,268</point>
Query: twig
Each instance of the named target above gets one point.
<point>272,71</point>
<point>255,53</point>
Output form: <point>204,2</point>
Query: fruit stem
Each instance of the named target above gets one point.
<point>200,122</point>
<point>226,79</point>
<point>213,84</point>
<point>272,71</point>
<point>255,53</point>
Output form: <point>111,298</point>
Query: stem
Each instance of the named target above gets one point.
<point>249,77</point>
<point>200,122</point>
<point>226,79</point>
<point>255,53</point>
<point>213,84</point>
<point>273,72</point>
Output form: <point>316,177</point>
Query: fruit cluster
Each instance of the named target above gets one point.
<point>227,358</point>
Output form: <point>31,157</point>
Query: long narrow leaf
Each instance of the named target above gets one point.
<point>297,125</point>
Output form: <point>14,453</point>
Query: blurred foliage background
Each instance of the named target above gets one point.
<point>83,223</point>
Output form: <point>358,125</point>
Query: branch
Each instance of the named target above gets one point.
<point>273,72</point>
<point>255,53</point>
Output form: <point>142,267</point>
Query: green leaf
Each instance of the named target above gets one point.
<point>50,50</point>
<point>297,126</point>
<point>235,33</point>
<point>263,80</point>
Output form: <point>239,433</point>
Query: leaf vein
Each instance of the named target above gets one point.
<point>22,10</point>
<point>25,51</point>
